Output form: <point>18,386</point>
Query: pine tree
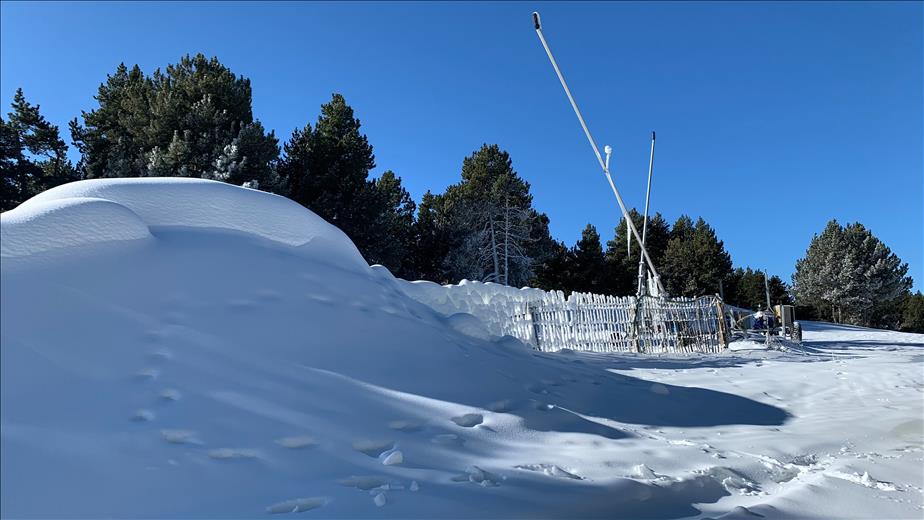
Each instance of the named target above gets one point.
<point>432,240</point>
<point>389,233</point>
<point>622,263</point>
<point>588,271</point>
<point>33,157</point>
<point>555,273</point>
<point>495,233</point>
<point>326,167</point>
<point>745,288</point>
<point>849,275</point>
<point>192,120</point>
<point>695,260</point>
<point>913,313</point>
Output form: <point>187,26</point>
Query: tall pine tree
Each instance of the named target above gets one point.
<point>695,260</point>
<point>326,169</point>
<point>588,272</point>
<point>33,157</point>
<point>622,263</point>
<point>851,276</point>
<point>745,288</point>
<point>495,234</point>
<point>192,120</point>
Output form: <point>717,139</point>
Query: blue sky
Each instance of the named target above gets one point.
<point>772,117</point>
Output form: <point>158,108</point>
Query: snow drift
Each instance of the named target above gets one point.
<point>181,349</point>
<point>104,210</point>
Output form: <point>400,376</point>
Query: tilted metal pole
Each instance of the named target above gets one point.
<point>593,144</point>
<point>641,261</point>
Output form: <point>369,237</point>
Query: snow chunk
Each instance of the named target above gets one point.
<point>642,471</point>
<point>41,225</point>
<point>394,458</point>
<point>550,470</point>
<point>863,480</point>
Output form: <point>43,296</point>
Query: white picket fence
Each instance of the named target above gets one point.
<point>602,323</point>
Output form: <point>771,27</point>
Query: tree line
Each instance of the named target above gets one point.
<point>195,119</point>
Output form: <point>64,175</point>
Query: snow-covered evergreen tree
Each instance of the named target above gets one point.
<point>194,119</point>
<point>851,276</point>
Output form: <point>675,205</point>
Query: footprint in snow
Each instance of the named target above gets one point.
<point>241,304</point>
<point>268,295</point>
<point>468,420</point>
<point>320,298</point>
<point>448,439</point>
<point>161,355</point>
<point>170,394</point>
<point>479,476</point>
<point>147,374</point>
<point>154,336</point>
<point>296,442</point>
<point>143,415</point>
<point>297,505</point>
<point>232,453</point>
<point>373,448</point>
<point>180,437</point>
<point>659,389</point>
<point>405,426</point>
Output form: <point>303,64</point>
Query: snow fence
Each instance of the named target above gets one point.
<point>601,323</point>
<point>550,321</point>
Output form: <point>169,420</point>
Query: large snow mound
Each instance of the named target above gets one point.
<point>212,370</point>
<point>61,223</point>
<point>164,202</point>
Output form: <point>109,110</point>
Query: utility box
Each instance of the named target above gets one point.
<point>786,314</point>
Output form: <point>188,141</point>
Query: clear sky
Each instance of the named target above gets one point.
<point>772,117</point>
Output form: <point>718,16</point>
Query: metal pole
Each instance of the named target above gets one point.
<point>769,308</point>
<point>767,290</point>
<point>593,144</point>
<point>641,261</point>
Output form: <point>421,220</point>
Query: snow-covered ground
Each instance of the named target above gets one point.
<point>175,349</point>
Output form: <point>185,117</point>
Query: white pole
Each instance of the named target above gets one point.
<point>593,145</point>
<point>641,261</point>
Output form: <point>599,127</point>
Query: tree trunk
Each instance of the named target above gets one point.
<point>506,243</point>
<point>494,252</point>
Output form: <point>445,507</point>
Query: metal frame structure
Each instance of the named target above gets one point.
<point>603,164</point>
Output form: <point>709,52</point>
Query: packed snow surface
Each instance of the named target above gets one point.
<point>233,357</point>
